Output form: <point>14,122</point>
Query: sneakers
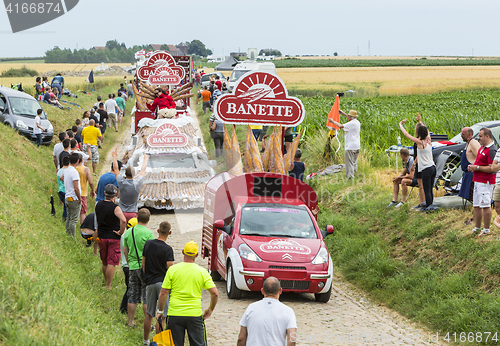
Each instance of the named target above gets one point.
<point>392,204</point>
<point>145,343</point>
<point>400,204</point>
<point>420,207</point>
<point>430,208</point>
<point>484,232</point>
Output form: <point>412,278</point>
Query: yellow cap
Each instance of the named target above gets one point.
<point>191,248</point>
<point>132,222</point>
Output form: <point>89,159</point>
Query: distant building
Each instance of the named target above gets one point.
<point>155,46</point>
<point>96,48</point>
<point>183,48</point>
<point>238,55</point>
<point>265,57</point>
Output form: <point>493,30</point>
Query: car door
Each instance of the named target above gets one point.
<point>4,106</point>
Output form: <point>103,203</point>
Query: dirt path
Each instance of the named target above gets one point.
<point>349,318</point>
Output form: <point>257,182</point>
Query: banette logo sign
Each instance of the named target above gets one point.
<point>161,69</point>
<point>167,135</point>
<point>26,14</point>
<point>260,98</point>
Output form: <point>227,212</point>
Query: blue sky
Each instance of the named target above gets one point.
<point>391,27</point>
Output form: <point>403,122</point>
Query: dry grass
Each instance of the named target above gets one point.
<point>393,80</point>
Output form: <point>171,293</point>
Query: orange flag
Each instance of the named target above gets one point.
<point>334,113</point>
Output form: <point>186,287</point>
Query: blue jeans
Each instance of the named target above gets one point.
<point>38,139</point>
<point>59,88</point>
<point>62,198</point>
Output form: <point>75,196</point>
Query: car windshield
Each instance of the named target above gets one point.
<point>237,74</point>
<point>458,138</point>
<point>276,220</point>
<point>25,106</point>
<point>171,161</point>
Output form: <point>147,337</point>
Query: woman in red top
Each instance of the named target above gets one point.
<point>165,104</point>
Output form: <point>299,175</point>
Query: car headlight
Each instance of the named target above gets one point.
<point>321,257</point>
<point>247,253</point>
<point>21,125</point>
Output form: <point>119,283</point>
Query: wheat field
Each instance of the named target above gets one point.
<point>41,67</point>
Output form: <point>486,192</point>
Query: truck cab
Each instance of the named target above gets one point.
<point>258,225</point>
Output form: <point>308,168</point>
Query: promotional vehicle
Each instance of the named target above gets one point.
<point>248,66</point>
<point>258,225</point>
<point>18,110</point>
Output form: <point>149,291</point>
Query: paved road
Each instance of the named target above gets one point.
<point>348,318</point>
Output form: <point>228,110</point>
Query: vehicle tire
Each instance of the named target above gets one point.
<point>215,275</point>
<point>323,297</point>
<point>233,292</point>
<point>450,167</point>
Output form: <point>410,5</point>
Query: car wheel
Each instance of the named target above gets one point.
<point>215,275</point>
<point>450,167</point>
<point>233,292</point>
<point>323,297</point>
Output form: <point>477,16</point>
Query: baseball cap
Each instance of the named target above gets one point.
<point>92,110</point>
<point>110,190</point>
<point>132,222</point>
<point>191,248</point>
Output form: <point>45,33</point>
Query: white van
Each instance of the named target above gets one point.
<point>247,66</point>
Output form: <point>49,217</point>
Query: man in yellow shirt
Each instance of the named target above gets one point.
<point>90,135</point>
<point>185,281</point>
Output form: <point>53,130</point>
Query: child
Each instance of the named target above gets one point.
<point>297,168</point>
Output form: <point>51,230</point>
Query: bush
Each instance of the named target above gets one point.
<point>19,72</point>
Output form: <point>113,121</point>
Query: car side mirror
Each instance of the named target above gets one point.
<point>219,224</point>
<point>329,230</point>
<point>1,109</point>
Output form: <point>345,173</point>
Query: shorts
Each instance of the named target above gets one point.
<point>482,195</point>
<point>417,174</point>
<point>136,287</point>
<point>288,138</point>
<point>83,209</point>
<point>93,151</point>
<point>129,216</point>
<point>112,119</point>
<point>109,249</point>
<point>152,294</point>
<point>496,192</point>
<point>414,182</point>
<point>103,128</point>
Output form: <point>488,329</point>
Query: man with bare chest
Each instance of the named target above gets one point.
<point>469,155</point>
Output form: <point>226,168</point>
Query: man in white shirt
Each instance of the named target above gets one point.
<point>110,106</point>
<point>268,322</point>
<point>38,129</point>
<point>58,149</point>
<point>352,141</point>
<point>72,193</point>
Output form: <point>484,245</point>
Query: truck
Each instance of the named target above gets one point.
<point>249,66</point>
<point>257,225</point>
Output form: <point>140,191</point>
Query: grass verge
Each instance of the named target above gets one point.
<point>51,286</point>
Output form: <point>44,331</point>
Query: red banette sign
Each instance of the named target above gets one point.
<point>167,135</point>
<point>161,69</point>
<point>260,98</point>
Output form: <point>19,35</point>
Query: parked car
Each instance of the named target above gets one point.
<point>18,110</point>
<point>205,79</point>
<point>249,66</point>
<point>455,150</point>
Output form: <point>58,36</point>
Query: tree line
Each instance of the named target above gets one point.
<point>113,52</point>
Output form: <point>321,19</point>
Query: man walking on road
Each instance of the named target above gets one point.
<point>72,194</point>
<point>110,107</point>
<point>268,322</point>
<point>484,181</point>
<point>133,244</point>
<point>157,257</point>
<point>129,186</point>
<point>352,141</point>
<point>185,281</point>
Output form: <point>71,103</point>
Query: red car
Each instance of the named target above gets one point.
<point>260,224</point>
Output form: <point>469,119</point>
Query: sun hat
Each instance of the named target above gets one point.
<point>132,222</point>
<point>353,113</point>
<point>191,248</point>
